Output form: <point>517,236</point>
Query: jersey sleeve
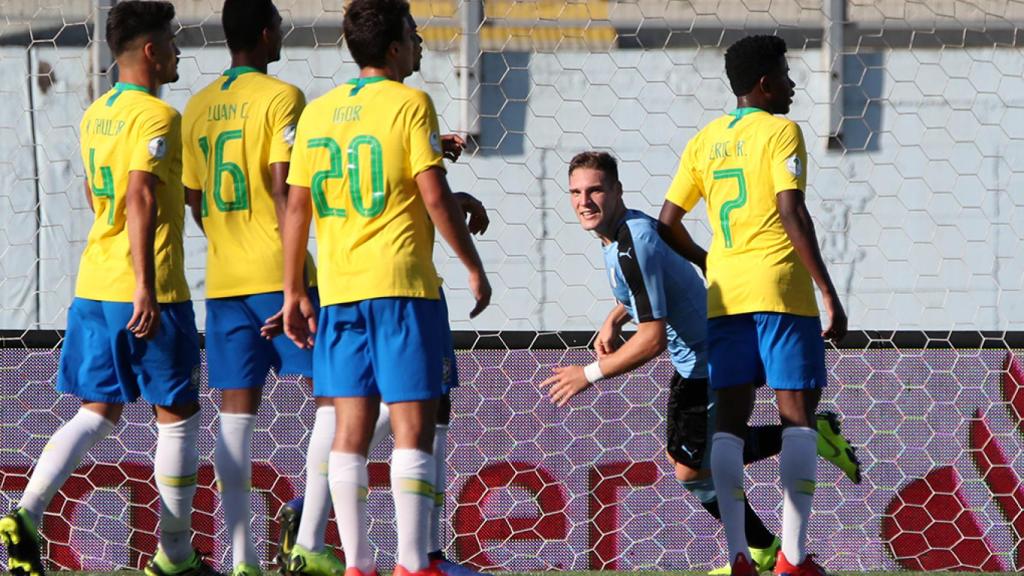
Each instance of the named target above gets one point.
<point>789,159</point>
<point>685,190</point>
<point>285,110</point>
<point>191,156</point>
<point>159,133</point>
<point>424,135</point>
<point>641,267</point>
<point>298,170</point>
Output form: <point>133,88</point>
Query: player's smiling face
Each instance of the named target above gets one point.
<point>595,200</point>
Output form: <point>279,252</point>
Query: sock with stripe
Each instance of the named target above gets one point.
<point>349,482</point>
<point>316,508</point>
<point>232,461</point>
<point>440,482</point>
<point>412,485</point>
<point>175,466</point>
<point>62,454</point>
<point>797,467</point>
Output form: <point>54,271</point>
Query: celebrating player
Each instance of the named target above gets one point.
<point>237,139</point>
<point>750,168</point>
<point>368,159</point>
<point>131,330</point>
<point>656,288</point>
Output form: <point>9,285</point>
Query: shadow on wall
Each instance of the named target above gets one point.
<point>504,89</point>
<point>863,76</point>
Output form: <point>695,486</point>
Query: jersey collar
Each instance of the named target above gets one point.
<point>122,87</point>
<point>739,113</point>
<point>232,74</point>
<point>358,83</point>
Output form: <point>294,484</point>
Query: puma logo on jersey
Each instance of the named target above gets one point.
<point>626,254</point>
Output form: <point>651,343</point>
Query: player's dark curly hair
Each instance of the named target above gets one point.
<point>133,19</point>
<point>750,58</point>
<point>370,26</point>
<point>596,160</point>
<point>244,21</point>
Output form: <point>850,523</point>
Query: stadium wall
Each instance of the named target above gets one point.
<point>940,431</point>
<point>918,214</point>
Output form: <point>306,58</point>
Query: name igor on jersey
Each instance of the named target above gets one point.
<point>358,149</point>
<point>233,130</point>
<point>737,164</point>
<point>129,129</point>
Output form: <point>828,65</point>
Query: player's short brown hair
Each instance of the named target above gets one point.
<point>370,26</point>
<point>596,160</point>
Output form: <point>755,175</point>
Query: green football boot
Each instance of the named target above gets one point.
<point>764,559</point>
<point>322,563</point>
<point>18,533</point>
<point>161,565</point>
<point>835,448</point>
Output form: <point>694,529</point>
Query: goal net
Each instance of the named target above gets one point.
<point>913,112</point>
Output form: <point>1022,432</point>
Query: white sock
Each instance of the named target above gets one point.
<point>382,428</point>
<point>440,483</point>
<point>62,454</point>
<point>175,465</point>
<point>232,461</point>
<point>412,485</point>
<point>316,508</point>
<point>727,472</point>
<point>349,485</point>
<point>798,464</point>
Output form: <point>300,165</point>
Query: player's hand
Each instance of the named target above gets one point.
<point>481,289</point>
<point>452,146</point>
<point>299,319</point>
<point>607,339</point>
<point>837,321</point>
<point>273,326</point>
<point>566,383</point>
<point>145,320</point>
<point>475,211</point>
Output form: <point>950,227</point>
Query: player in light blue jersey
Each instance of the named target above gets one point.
<point>665,296</point>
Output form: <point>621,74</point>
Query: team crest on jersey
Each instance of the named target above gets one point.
<point>289,134</point>
<point>158,147</point>
<point>794,165</point>
<point>435,141</point>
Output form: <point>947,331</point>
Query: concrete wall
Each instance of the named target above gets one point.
<point>920,216</point>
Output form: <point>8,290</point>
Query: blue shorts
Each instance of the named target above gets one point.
<point>783,350</point>
<point>387,347</point>
<point>101,361</point>
<point>449,367</point>
<point>236,355</point>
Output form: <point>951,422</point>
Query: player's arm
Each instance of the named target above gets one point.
<point>446,215</point>
<point>800,229</point>
<point>648,342</point>
<point>195,204</point>
<point>279,192</point>
<point>88,196</point>
<point>672,231</point>
<point>299,319</point>
<point>140,202</point>
<point>611,330</point>
<point>474,210</point>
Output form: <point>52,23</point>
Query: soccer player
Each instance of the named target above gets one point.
<point>749,166</point>
<point>131,330</point>
<point>368,159</point>
<point>237,140</point>
<point>656,288</point>
<point>302,536</point>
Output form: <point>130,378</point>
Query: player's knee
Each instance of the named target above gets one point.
<point>685,473</point>
<point>702,488</point>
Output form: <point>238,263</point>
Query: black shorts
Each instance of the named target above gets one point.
<point>687,420</point>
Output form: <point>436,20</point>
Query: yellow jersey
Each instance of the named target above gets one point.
<point>129,129</point>
<point>358,149</point>
<point>737,164</point>
<point>232,131</point>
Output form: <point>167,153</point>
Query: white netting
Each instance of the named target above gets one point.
<point>917,204</point>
